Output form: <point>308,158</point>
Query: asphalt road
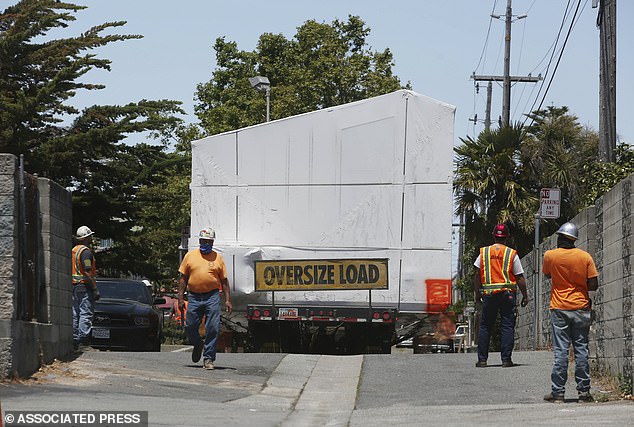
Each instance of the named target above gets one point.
<point>311,390</point>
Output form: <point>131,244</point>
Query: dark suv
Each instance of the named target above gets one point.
<point>126,317</point>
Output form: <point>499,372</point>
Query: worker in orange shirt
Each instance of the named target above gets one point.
<point>203,273</point>
<point>573,274</point>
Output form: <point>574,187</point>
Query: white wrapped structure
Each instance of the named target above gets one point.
<point>369,179</point>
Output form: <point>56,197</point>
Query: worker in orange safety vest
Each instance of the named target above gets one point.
<point>85,292</point>
<point>499,273</point>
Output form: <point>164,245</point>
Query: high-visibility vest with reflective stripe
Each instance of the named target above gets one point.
<point>496,269</point>
<point>78,268</point>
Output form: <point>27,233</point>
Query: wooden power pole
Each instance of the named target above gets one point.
<point>606,21</point>
<point>506,79</point>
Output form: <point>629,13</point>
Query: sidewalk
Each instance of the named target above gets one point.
<point>306,390</point>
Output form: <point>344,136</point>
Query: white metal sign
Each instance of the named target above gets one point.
<point>550,199</point>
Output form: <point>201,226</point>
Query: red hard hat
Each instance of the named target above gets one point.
<point>500,230</point>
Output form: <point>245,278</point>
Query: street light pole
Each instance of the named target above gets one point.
<point>262,84</point>
<point>268,103</point>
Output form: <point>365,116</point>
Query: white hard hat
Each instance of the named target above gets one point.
<point>207,233</point>
<point>83,232</point>
<point>569,230</point>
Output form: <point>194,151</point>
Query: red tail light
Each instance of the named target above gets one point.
<point>386,316</point>
<point>256,313</point>
<point>376,315</point>
<point>266,313</point>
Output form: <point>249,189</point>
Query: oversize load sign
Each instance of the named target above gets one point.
<point>316,275</point>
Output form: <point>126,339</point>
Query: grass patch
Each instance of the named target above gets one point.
<point>607,387</point>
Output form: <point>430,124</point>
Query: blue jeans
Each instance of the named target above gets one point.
<point>570,326</point>
<point>504,302</point>
<point>208,305</point>
<point>83,310</point>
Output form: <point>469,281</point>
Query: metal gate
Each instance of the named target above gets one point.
<point>29,293</point>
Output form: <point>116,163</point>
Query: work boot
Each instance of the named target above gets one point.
<point>481,364</point>
<point>508,364</point>
<point>208,364</point>
<point>554,397</point>
<point>585,396</point>
<point>197,352</point>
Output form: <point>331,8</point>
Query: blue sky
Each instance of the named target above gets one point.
<point>437,45</point>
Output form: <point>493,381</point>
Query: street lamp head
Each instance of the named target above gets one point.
<point>260,83</point>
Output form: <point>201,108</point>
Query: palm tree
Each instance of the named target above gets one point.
<point>555,155</point>
<point>490,186</point>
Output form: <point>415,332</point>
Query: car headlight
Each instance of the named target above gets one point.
<point>141,321</point>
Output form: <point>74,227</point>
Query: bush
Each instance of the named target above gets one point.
<point>173,334</point>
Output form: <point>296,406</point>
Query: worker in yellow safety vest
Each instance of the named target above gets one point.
<point>499,273</point>
<point>85,291</point>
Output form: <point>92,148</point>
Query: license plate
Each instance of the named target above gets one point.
<point>285,313</point>
<point>100,333</point>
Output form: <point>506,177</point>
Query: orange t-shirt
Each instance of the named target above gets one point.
<point>206,272</point>
<point>569,269</point>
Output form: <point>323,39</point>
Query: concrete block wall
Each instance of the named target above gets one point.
<point>615,250</point>
<point>525,333</point>
<point>606,232</point>
<point>24,344</point>
<point>56,231</point>
<point>8,258</point>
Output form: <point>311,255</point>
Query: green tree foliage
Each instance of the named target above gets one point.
<point>163,209</point>
<point>599,177</point>
<point>490,186</point>
<point>323,65</point>
<point>555,156</point>
<point>499,175</point>
<point>39,75</point>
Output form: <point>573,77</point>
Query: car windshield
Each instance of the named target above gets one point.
<point>124,290</point>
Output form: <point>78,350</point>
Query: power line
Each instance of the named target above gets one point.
<point>476,85</point>
<point>561,52</point>
<point>486,40</point>
<point>552,55</point>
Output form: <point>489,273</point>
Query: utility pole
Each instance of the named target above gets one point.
<point>487,118</point>
<point>506,79</point>
<point>606,21</point>
<point>506,98</point>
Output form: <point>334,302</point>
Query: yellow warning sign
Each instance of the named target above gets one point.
<point>314,275</point>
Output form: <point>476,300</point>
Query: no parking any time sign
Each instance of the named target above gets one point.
<point>550,199</point>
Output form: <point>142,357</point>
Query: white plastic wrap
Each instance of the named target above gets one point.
<point>370,179</point>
